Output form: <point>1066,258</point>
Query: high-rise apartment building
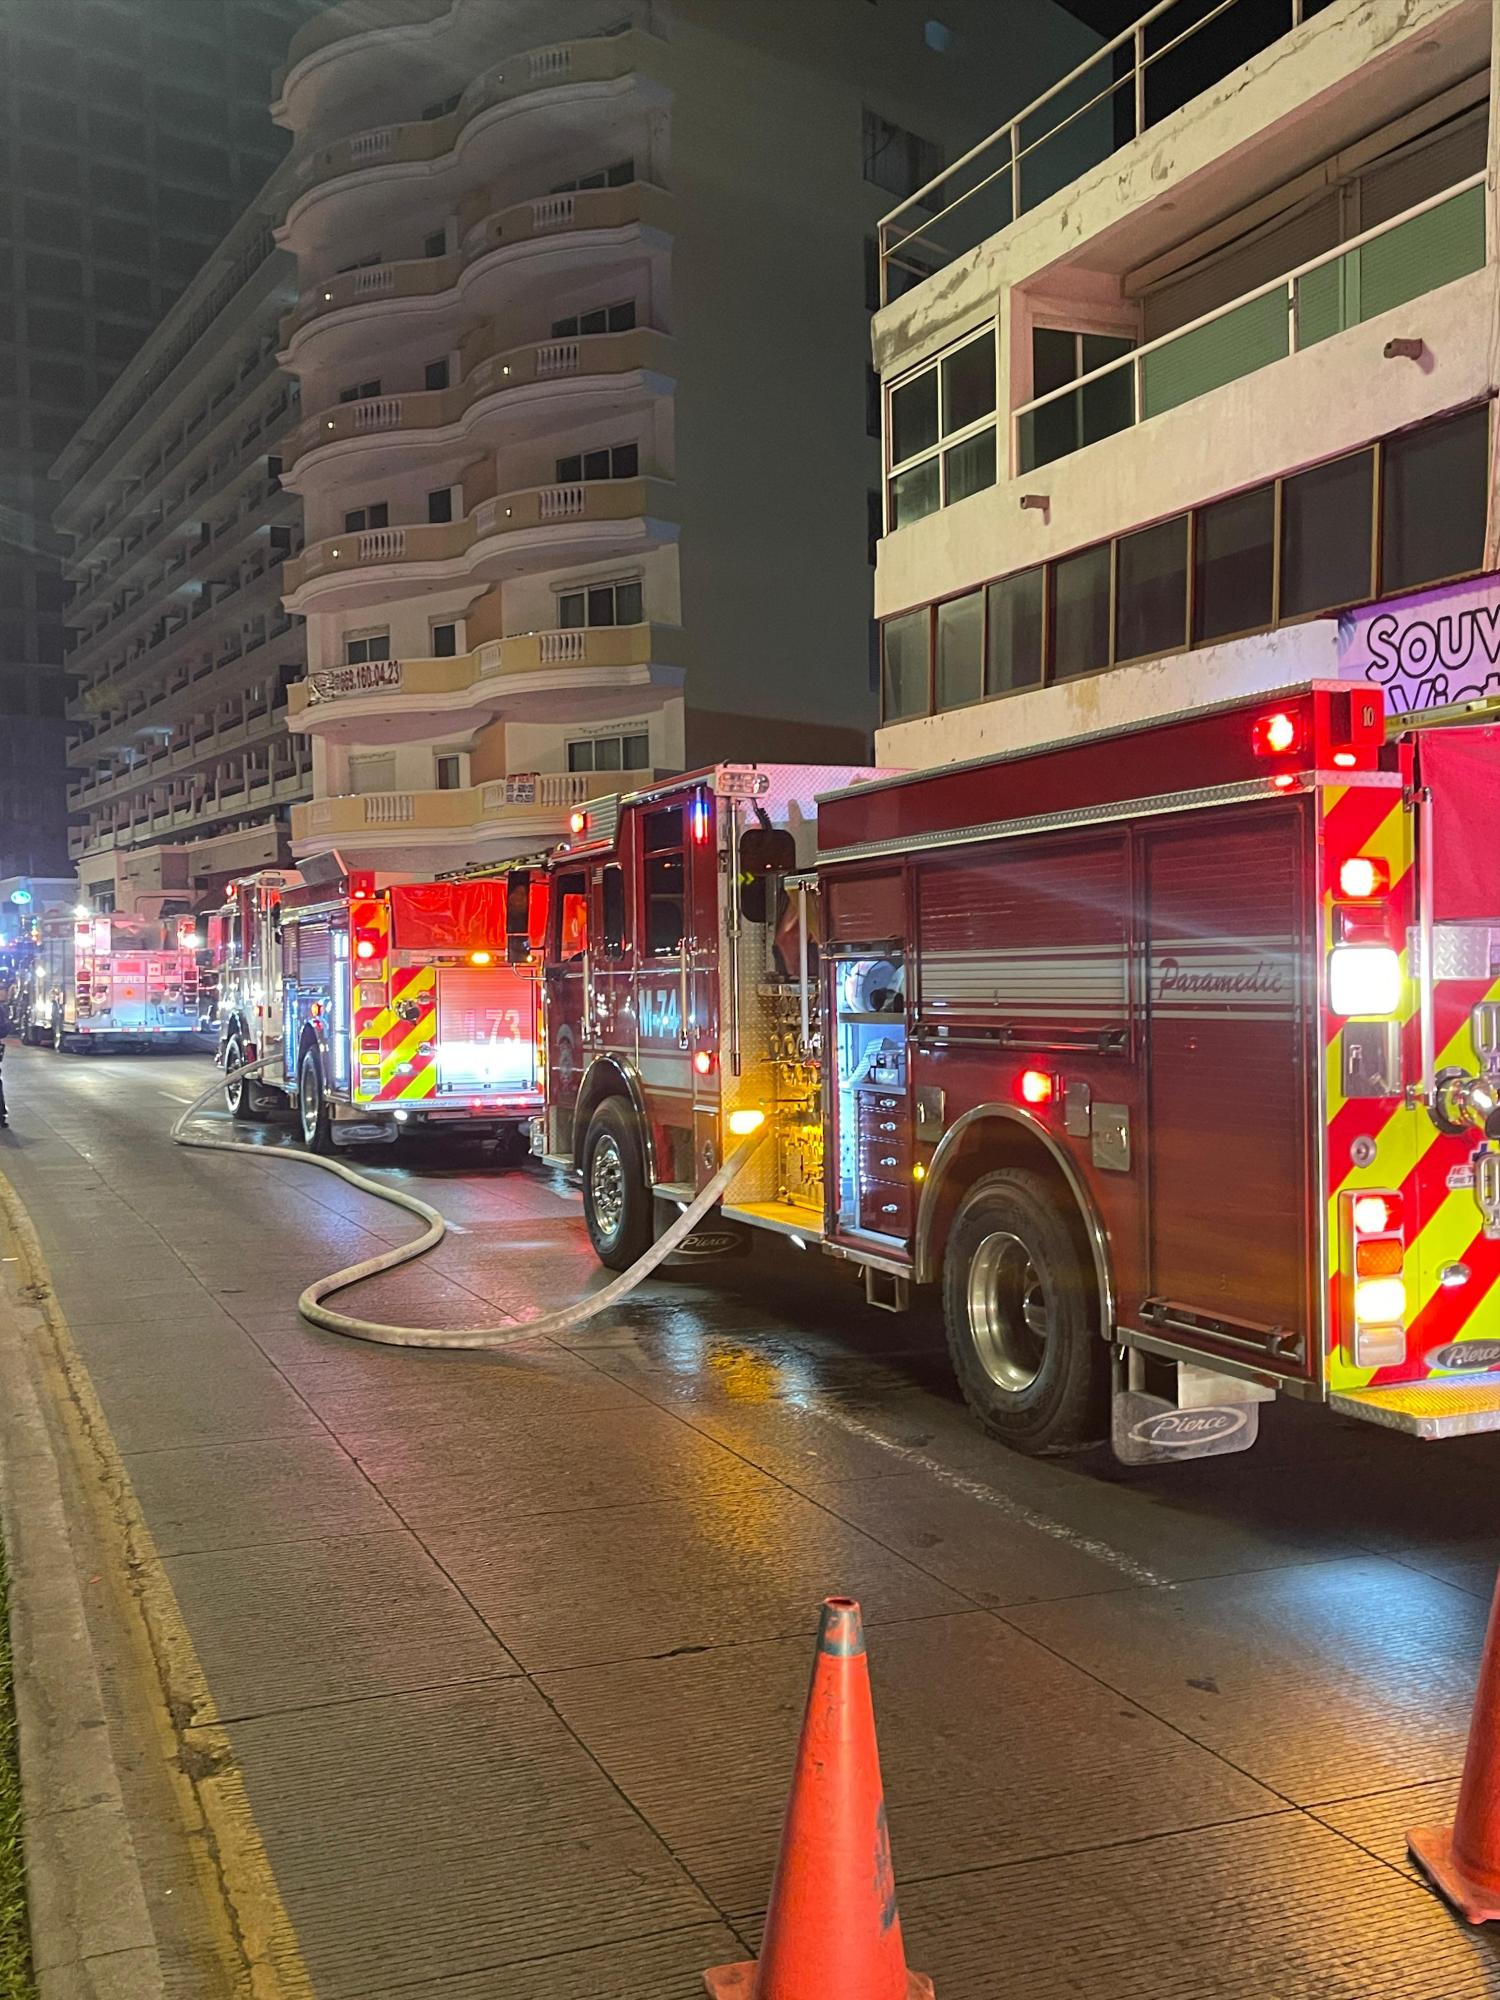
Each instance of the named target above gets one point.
<point>588,442</point>
<point>172,502</point>
<point>132,133</point>
<point>1237,376</point>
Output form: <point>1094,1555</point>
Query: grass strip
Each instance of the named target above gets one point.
<point>15,1940</point>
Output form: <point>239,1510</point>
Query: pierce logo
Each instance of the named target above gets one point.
<point>1185,1430</point>
<point>1468,1356</point>
<point>708,1243</point>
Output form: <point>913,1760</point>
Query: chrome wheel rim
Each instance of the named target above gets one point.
<point>1009,1311</point>
<point>235,1091</point>
<point>607,1186</point>
<point>307,1100</point>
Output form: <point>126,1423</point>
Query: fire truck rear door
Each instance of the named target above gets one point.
<point>567,941</point>
<point>1229,1177</point>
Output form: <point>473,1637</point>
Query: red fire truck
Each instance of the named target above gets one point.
<point>114,982</point>
<point>1169,1055</point>
<point>380,1012</point>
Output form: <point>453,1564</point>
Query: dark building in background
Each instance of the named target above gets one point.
<point>132,134</point>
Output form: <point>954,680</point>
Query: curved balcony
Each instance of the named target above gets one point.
<point>541,674</point>
<point>500,538</point>
<point>420,148</point>
<point>529,809</point>
<point>427,284</point>
<point>521,379</point>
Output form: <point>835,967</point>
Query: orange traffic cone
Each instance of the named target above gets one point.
<point>832,1931</point>
<point>1464,1859</point>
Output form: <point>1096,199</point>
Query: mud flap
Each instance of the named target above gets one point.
<point>713,1240</point>
<point>1146,1429</point>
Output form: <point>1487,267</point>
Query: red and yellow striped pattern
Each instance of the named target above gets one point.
<point>395,1016</point>
<point>1442,1222</point>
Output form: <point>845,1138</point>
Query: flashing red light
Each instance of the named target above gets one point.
<point>1376,1214</point>
<point>703,1062</point>
<point>1036,1087</point>
<point>1363,876</point>
<point>1275,735</point>
<point>578,822</point>
<point>364,948</point>
<point>1284,781</point>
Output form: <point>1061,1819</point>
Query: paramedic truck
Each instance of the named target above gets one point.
<point>1169,1057</point>
<point>379,1013</point>
<point>114,982</point>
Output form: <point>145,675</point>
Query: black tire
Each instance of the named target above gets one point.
<point>512,1146</point>
<point>242,1098</point>
<point>313,1121</point>
<point>1020,1309</point>
<point>617,1203</point>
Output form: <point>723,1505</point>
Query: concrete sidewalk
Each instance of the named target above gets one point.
<point>510,1652</point>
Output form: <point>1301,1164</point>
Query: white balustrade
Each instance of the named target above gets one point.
<point>371,146</point>
<point>382,545</point>
<point>552,211</point>
<point>558,648</point>
<point>547,64</point>
<point>389,808</point>
<point>380,413</point>
<point>374,281</point>
<point>558,357</point>
<point>563,503</point>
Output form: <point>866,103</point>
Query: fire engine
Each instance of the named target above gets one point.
<point>379,1012</point>
<point>111,982</point>
<point>1168,1055</point>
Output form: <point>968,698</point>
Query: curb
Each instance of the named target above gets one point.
<point>92,1935</point>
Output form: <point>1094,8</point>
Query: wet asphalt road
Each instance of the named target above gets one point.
<point>513,1649</point>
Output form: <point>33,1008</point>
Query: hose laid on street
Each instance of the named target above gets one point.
<point>485,1338</point>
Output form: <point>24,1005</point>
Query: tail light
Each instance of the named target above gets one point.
<point>1375,1244</point>
<point>1363,876</point>
<point>1276,735</point>
<point>1035,1086</point>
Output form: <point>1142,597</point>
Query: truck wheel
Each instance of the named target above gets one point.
<point>512,1146</point>
<point>616,1200</point>
<point>241,1095</point>
<point>1019,1311</point>
<point>312,1106</point>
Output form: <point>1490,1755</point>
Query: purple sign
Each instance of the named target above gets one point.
<point>1429,650</point>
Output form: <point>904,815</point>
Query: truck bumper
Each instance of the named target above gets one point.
<point>1456,1406</point>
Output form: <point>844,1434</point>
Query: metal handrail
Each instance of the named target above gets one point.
<point>1008,135</point>
<point>1287,282</point>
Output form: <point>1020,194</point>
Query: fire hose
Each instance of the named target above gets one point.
<point>311,1306</point>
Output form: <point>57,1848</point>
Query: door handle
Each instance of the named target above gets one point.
<point>684,1038</point>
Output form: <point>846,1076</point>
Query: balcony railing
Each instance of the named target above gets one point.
<point>1430,244</point>
<point>1129,84</point>
<point>431,277</point>
<point>518,367</point>
<point>451,541</point>
<point>526,797</point>
<point>600,59</point>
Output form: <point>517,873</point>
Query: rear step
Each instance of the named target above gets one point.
<point>1454,1407</point>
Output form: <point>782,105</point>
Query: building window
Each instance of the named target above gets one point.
<point>1151,591</point>
<point>440,108</point>
<point>897,160</point>
<point>611,753</point>
<point>618,318</point>
<point>449,770</point>
<point>369,646</point>
<point>440,505</point>
<point>600,604</point>
<point>359,392</point>
<point>666,879</point>
<point>1097,410</point>
<point>620,461</point>
<point>874,524</point>
<point>1080,613</point>
<point>435,245</point>
<point>445,640</point>
<point>620,174</point>
<point>960,651</point>
<point>942,431</point>
<point>1326,539</point>
<point>1434,486</point>
<point>1234,565</point>
<point>360,518</point>
<point>436,374</point>
<point>1013,645</point>
<point>904,689</point>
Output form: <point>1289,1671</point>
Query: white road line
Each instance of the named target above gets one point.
<point>175,1098</point>
<point>1015,1510</point>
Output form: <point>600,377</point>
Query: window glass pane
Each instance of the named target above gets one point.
<point>569,469</point>
<point>960,645</point>
<point>914,416</point>
<point>613,911</point>
<point>628,604</point>
<point>1054,358</point>
<point>607,753</point>
<point>596,465</point>
<point>914,493</point>
<point>593,322</point>
<point>380,515</point>
<point>969,383</point>
<point>440,505</point>
<point>622,173</point>
<point>970,467</point>
<point>444,642</point>
<point>602,605</point>
<point>622,316</point>
<point>1015,638</point>
<point>905,641</point>
<point>1235,564</point>
<point>436,376</point>
<point>664,880</point>
<point>1433,501</point>
<point>638,753</point>
<point>562,329</point>
<point>1151,591</point>
<point>570,610</point>
<point>625,461</point>
<point>1080,613</point>
<point>580,756</point>
<point>1325,536</point>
